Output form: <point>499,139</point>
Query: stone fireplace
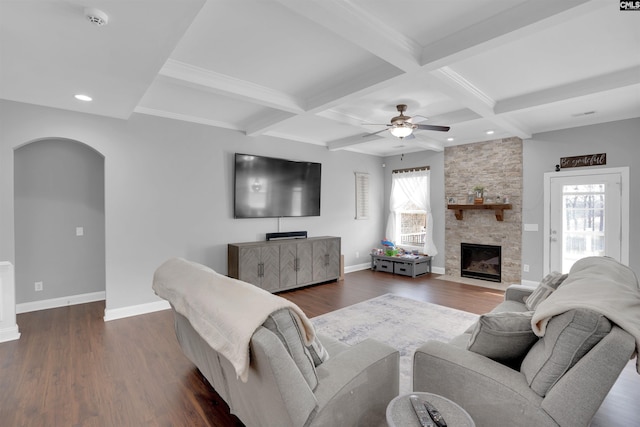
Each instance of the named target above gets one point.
<point>496,165</point>
<point>481,261</point>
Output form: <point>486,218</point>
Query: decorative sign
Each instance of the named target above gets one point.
<point>585,160</point>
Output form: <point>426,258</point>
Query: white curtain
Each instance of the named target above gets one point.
<point>411,187</point>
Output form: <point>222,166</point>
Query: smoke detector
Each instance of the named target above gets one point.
<point>96,16</point>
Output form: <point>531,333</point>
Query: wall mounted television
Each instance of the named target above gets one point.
<point>268,187</point>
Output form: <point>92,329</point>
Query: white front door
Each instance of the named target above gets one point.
<point>586,214</point>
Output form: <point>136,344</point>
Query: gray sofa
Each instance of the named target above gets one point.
<point>504,375</point>
<point>288,382</point>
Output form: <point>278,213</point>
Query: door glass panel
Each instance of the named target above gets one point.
<point>583,220</point>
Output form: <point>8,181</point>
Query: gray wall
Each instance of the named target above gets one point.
<point>435,161</point>
<point>541,153</point>
<point>168,192</point>
<point>59,185</point>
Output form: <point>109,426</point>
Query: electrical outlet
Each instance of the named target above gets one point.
<point>526,268</point>
<point>38,286</point>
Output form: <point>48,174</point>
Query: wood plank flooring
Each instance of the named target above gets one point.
<point>70,368</point>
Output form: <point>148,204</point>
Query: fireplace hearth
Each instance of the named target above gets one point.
<point>482,262</point>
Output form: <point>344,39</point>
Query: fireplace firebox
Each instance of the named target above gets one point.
<point>481,262</point>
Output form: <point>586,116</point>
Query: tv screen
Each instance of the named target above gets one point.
<point>267,187</point>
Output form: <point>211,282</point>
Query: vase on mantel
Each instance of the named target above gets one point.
<point>479,198</point>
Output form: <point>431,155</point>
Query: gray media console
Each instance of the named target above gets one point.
<point>277,265</point>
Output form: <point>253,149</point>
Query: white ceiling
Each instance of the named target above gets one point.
<point>318,71</point>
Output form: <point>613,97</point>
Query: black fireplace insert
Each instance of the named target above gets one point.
<point>481,262</point>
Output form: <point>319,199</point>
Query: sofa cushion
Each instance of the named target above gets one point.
<point>504,337</point>
<point>568,337</point>
<point>285,327</point>
<point>549,284</point>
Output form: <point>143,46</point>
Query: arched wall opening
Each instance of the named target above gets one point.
<point>59,208</point>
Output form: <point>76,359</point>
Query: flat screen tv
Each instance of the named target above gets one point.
<point>267,187</point>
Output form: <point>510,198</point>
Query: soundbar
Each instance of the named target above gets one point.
<point>287,235</point>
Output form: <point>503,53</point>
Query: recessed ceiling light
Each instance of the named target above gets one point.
<point>450,139</point>
<point>490,132</point>
<point>82,97</point>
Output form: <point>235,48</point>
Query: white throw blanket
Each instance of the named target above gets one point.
<point>224,311</point>
<point>600,284</point>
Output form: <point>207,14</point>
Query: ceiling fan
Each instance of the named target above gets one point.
<point>402,126</point>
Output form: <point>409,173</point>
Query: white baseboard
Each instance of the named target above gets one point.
<point>9,334</point>
<point>27,307</point>
<point>135,310</point>
<point>357,267</point>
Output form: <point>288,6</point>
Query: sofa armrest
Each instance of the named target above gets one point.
<point>356,385</point>
<point>518,293</point>
<point>493,394</point>
<point>578,394</point>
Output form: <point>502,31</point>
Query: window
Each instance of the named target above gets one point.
<point>412,225</point>
<point>410,221</point>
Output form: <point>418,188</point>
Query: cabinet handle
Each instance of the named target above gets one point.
<point>326,259</point>
<point>296,266</point>
<point>260,269</point>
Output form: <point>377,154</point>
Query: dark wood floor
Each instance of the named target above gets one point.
<point>70,368</point>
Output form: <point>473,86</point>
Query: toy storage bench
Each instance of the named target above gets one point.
<point>413,265</point>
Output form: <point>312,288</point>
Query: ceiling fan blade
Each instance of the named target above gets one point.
<point>376,124</point>
<point>417,119</point>
<point>434,127</point>
<point>411,136</point>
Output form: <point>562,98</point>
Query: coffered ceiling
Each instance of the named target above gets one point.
<point>331,72</point>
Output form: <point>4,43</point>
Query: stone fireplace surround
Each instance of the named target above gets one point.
<point>497,165</point>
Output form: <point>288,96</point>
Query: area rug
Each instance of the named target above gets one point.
<point>400,322</point>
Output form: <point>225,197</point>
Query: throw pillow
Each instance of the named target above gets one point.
<point>568,337</point>
<point>284,326</point>
<point>504,337</point>
<point>549,284</point>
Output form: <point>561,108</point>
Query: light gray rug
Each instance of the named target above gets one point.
<point>400,322</point>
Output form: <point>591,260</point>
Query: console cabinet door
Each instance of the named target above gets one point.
<point>326,259</point>
<point>295,264</point>
<point>305,263</point>
<point>260,265</point>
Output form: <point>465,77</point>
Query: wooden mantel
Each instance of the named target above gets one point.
<point>499,209</point>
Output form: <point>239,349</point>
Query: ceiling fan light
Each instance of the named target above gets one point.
<point>401,131</point>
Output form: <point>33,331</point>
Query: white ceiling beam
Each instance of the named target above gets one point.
<point>512,24</point>
<point>295,138</point>
<point>186,118</point>
<point>341,144</point>
<point>361,28</point>
<point>429,144</point>
<point>457,87</point>
<point>265,122</point>
<point>603,83</point>
<point>231,86</point>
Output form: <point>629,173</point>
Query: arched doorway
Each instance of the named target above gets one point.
<point>59,224</point>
